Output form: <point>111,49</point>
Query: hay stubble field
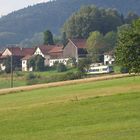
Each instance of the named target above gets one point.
<point>74,112</point>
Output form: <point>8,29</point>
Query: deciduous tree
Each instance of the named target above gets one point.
<point>96,46</point>
<point>48,38</point>
<point>128,47</point>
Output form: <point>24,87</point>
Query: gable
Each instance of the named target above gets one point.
<point>79,43</point>
<point>38,52</point>
<point>6,52</point>
<point>70,50</point>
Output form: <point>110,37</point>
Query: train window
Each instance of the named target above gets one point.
<point>94,70</point>
<point>104,69</point>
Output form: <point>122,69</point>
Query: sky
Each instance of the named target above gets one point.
<point>7,6</point>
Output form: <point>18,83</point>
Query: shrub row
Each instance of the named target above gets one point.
<point>32,79</point>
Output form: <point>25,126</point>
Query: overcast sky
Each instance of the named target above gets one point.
<point>7,6</point>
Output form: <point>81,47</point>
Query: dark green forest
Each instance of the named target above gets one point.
<point>23,24</point>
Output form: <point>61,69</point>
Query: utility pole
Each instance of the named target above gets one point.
<point>12,68</point>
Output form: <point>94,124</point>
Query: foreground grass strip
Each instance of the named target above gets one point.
<point>56,84</point>
<point>68,93</point>
<point>28,116</point>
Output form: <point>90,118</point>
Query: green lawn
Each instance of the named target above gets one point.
<point>74,112</point>
<point>20,77</point>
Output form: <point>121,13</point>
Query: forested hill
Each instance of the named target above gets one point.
<point>23,23</point>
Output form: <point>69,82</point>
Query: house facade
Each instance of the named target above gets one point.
<point>25,63</point>
<point>109,58</point>
<point>27,54</point>
<point>44,52</point>
<point>56,55</point>
<point>17,53</point>
<point>75,48</point>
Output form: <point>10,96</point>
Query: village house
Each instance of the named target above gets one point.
<point>109,58</point>
<point>56,55</point>
<point>17,53</point>
<point>51,53</point>
<point>75,48</point>
<point>10,51</point>
<point>43,50</point>
<point>28,53</point>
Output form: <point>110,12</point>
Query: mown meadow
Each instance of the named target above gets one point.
<point>20,78</point>
<point>74,112</point>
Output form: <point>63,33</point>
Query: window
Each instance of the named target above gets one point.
<point>104,69</point>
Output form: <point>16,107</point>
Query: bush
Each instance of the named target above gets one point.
<point>30,76</point>
<point>84,64</point>
<point>37,79</point>
<point>32,79</point>
<point>61,67</point>
<point>1,72</point>
<point>124,70</point>
<point>19,73</point>
<point>73,76</point>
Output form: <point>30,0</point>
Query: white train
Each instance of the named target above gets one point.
<point>101,69</point>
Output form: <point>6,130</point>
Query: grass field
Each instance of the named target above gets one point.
<point>74,112</point>
<point>19,78</point>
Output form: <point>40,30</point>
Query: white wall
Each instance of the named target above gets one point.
<point>64,61</point>
<point>2,67</point>
<point>108,59</point>
<point>24,65</point>
<point>38,52</point>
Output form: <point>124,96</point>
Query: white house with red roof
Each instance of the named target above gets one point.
<point>17,52</point>
<point>51,53</point>
<point>56,55</point>
<point>44,52</point>
<point>75,48</point>
<point>28,53</point>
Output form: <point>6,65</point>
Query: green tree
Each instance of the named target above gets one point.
<point>61,67</point>
<point>91,18</point>
<point>131,17</point>
<point>83,64</point>
<point>31,63</point>
<point>48,38</point>
<point>37,63</point>
<point>64,39</point>
<point>16,63</point>
<point>128,47</point>
<point>96,46</point>
<point>72,62</point>
<point>7,64</point>
<point>111,40</point>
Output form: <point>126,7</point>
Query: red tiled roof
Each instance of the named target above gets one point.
<point>45,49</point>
<point>57,55</point>
<point>3,56</point>
<point>27,51</point>
<point>15,51</point>
<point>27,57</point>
<point>79,43</point>
<point>56,49</point>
